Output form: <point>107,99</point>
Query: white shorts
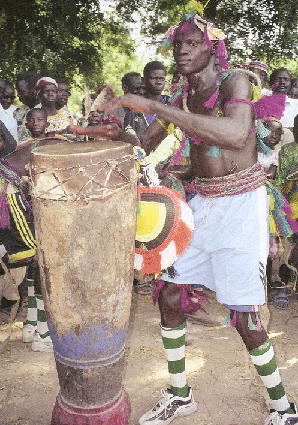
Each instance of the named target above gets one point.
<point>229,248</point>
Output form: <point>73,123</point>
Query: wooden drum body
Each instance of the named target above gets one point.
<point>84,203</point>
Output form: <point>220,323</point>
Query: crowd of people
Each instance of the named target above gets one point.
<point>223,133</point>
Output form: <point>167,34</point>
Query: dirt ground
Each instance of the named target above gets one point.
<point>219,370</point>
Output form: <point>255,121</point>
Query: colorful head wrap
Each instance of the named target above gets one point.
<point>259,65</point>
<point>42,82</point>
<point>210,31</point>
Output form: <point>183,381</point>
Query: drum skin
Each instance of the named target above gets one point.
<point>84,203</point>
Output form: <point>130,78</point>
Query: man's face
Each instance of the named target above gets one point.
<point>155,83</point>
<point>8,97</point>
<point>24,93</point>
<point>135,86</point>
<point>37,123</point>
<point>283,79</point>
<point>63,94</point>
<point>190,51</point>
<point>49,94</point>
<point>261,74</point>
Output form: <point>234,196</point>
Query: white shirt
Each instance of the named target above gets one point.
<point>290,112</point>
<point>6,116</point>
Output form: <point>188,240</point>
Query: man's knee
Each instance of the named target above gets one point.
<point>170,296</point>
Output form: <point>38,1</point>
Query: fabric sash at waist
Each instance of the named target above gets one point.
<point>232,184</point>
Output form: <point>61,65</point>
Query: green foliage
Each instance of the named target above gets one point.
<point>262,29</point>
<point>51,36</point>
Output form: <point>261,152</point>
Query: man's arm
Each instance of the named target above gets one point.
<point>228,132</point>
<point>153,136</point>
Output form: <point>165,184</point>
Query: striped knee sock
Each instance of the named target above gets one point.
<point>174,344</point>
<point>264,360</point>
<point>32,307</point>
<point>42,326</point>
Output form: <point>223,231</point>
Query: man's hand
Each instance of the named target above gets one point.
<point>109,131</point>
<point>132,101</point>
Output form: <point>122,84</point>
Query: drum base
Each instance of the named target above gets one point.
<point>115,413</point>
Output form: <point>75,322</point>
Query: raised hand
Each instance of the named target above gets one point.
<point>132,101</point>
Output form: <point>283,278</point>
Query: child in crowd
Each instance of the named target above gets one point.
<point>270,162</point>
<point>37,123</point>
<point>95,118</point>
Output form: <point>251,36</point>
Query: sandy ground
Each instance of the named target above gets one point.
<point>219,370</point>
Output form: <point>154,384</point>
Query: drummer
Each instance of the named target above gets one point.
<point>17,228</point>
<point>216,114</point>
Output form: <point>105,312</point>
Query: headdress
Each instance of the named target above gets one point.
<point>102,87</point>
<point>210,31</point>
<point>259,65</point>
<point>42,82</point>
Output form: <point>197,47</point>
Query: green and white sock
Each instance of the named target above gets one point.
<point>32,307</point>
<point>174,344</point>
<point>264,360</point>
<point>42,326</point>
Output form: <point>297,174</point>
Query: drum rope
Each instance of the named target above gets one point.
<point>112,165</point>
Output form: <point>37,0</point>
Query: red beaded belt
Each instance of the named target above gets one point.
<point>232,184</point>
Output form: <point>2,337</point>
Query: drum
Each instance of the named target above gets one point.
<point>84,203</point>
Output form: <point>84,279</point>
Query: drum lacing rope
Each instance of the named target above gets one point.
<point>112,165</point>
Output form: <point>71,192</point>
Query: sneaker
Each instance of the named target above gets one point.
<point>143,288</point>
<point>42,344</point>
<point>28,333</point>
<point>276,418</point>
<point>169,407</point>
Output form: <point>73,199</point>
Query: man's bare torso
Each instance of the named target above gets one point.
<point>229,160</point>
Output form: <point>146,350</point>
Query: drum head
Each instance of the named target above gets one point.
<point>164,228</point>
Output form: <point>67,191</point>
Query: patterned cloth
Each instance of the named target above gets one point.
<point>60,121</point>
<point>267,160</point>
<point>286,177</point>
<point>288,163</point>
<point>20,115</point>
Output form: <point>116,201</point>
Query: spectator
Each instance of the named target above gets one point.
<point>25,85</point>
<point>280,82</point>
<point>155,78</point>
<point>7,109</point>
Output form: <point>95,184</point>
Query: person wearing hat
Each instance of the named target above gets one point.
<point>261,70</point>
<point>46,90</point>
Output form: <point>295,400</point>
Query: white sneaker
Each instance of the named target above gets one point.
<point>168,408</point>
<point>28,333</point>
<point>276,418</point>
<point>42,344</point>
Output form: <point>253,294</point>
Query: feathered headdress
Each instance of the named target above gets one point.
<point>211,32</point>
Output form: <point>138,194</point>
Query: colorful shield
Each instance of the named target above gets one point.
<point>164,228</point>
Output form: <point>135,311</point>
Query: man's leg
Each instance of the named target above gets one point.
<point>261,351</point>
<point>42,340</point>
<point>173,325</point>
<point>178,400</point>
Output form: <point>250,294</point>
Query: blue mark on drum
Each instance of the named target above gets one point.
<point>93,347</point>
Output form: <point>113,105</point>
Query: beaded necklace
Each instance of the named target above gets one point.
<point>180,96</point>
